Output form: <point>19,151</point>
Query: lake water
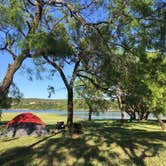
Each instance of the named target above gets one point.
<point>82,114</point>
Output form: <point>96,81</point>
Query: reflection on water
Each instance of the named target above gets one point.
<point>82,114</point>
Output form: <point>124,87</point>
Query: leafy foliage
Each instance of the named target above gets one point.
<point>55,42</point>
<point>94,98</point>
<point>130,54</point>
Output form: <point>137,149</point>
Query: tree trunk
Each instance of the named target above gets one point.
<point>120,104</point>
<point>143,116</point>
<point>146,116</point>
<point>121,108</point>
<point>9,76</point>
<point>162,125</point>
<point>90,110</point>
<point>132,115</point>
<point>70,108</point>
<point>90,114</point>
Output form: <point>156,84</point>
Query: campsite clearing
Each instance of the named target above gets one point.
<point>103,142</point>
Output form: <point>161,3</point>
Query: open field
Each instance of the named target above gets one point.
<point>102,143</point>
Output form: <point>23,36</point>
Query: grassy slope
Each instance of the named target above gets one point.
<point>46,104</point>
<point>102,143</point>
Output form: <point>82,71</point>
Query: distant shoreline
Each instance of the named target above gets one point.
<point>51,104</point>
<point>22,109</point>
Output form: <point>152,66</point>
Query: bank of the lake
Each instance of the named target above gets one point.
<point>82,114</point>
<point>51,104</point>
<point>102,142</point>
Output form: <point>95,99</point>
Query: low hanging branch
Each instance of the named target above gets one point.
<point>56,66</point>
<point>59,69</point>
<point>93,82</point>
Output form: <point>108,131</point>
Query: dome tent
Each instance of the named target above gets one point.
<point>25,124</point>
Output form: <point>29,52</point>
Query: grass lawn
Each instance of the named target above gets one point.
<point>103,143</point>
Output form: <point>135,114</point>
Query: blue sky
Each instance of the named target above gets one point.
<point>36,88</point>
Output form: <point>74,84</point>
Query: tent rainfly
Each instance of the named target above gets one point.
<point>25,124</point>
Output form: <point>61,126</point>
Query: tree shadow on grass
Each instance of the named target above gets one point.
<point>16,156</point>
<point>130,140</point>
<point>50,126</point>
<point>88,148</point>
<point>77,148</point>
<point>3,123</point>
<point>9,139</point>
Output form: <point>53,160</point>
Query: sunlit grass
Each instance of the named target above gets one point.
<point>102,143</point>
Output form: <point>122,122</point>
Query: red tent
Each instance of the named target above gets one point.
<point>25,118</point>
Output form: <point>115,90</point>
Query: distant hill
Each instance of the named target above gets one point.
<point>49,104</point>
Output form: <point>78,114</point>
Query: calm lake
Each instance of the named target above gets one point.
<point>82,114</point>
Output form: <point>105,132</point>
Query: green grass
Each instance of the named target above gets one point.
<point>102,143</point>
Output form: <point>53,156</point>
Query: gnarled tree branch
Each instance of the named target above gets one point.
<point>56,66</point>
<point>74,75</point>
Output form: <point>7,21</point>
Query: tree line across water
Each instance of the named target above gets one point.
<point>116,49</point>
<point>53,104</point>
